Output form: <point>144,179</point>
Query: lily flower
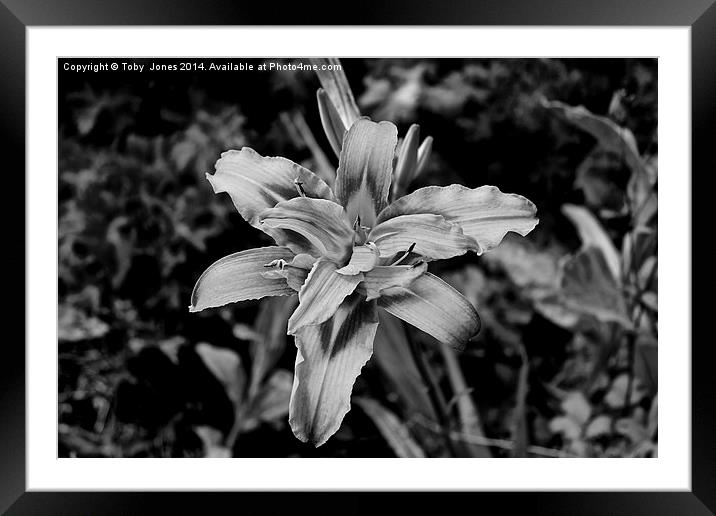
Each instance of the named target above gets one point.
<point>348,253</point>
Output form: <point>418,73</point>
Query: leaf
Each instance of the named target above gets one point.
<point>617,396</point>
<point>470,423</point>
<point>598,427</point>
<point>239,277</point>
<point>270,324</point>
<point>365,168</point>
<point>271,402</point>
<point>75,325</point>
<point>593,235</point>
<point>311,226</point>
<point>336,85</point>
<point>434,237</point>
<point>577,407</point>
<point>256,183</point>
<point>391,428</point>
<point>211,440</point>
<point>433,306</point>
<point>321,295</point>
<point>484,214</point>
<point>393,357</point>
<point>597,176</point>
<point>330,357</point>
<point>609,135</point>
<point>588,287</point>
<point>226,366</point>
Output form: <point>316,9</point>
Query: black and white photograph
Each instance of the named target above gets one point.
<point>357,257</point>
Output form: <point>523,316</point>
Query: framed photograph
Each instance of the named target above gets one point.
<point>270,252</point>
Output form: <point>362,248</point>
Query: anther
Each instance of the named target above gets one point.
<point>299,187</point>
<point>405,255</point>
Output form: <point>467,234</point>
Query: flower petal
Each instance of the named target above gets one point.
<point>238,277</point>
<point>321,295</point>
<point>256,183</point>
<point>384,277</point>
<point>365,168</point>
<point>312,226</point>
<point>363,259</point>
<point>485,213</point>
<point>433,306</point>
<point>339,91</point>
<point>330,357</point>
<point>433,236</point>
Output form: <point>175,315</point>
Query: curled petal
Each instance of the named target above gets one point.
<point>433,236</point>
<point>239,277</point>
<point>384,277</point>
<point>363,259</point>
<point>365,168</point>
<point>433,306</point>
<point>330,357</point>
<point>321,295</point>
<point>256,183</point>
<point>484,214</point>
<point>294,272</point>
<point>311,226</point>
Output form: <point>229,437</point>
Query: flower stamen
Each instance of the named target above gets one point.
<point>404,255</point>
<point>299,187</point>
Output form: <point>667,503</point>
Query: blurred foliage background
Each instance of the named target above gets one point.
<point>565,364</point>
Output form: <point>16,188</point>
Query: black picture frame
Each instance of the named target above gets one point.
<point>17,15</point>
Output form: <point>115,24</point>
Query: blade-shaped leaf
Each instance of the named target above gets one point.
<point>271,402</point>
<point>588,287</point>
<point>363,259</point>
<point>433,236</point>
<point>395,360</point>
<point>321,295</point>
<point>256,183</point>
<point>270,328</point>
<point>484,214</point>
<point>609,134</point>
<point>593,234</point>
<point>239,277</point>
<point>392,429</point>
<point>311,226</point>
<point>433,306</point>
<point>384,277</point>
<point>365,168</point>
<point>333,79</point>
<point>330,357</point>
<point>226,366</point>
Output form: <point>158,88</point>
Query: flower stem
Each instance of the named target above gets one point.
<point>436,397</point>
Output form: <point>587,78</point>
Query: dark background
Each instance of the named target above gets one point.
<point>139,223</point>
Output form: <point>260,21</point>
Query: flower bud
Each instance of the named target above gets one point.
<point>423,155</point>
<point>331,121</point>
<point>407,161</point>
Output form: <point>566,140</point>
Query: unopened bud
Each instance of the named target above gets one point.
<point>424,152</point>
<point>331,121</point>
<point>407,161</point>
